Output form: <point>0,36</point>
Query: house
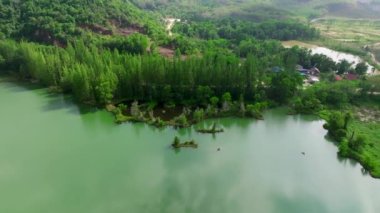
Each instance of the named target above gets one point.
<point>338,78</point>
<point>352,76</point>
<point>312,71</point>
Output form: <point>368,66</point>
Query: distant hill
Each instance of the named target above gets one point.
<point>57,21</point>
<point>269,8</point>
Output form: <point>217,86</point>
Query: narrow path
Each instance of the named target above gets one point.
<point>341,19</point>
<point>170,22</point>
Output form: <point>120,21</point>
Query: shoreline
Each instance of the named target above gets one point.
<point>182,120</point>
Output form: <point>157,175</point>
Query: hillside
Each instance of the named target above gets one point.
<point>56,21</point>
<point>268,8</point>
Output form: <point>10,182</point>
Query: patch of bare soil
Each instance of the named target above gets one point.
<point>96,29</point>
<point>168,114</point>
<point>166,51</point>
<point>368,114</point>
<point>127,31</point>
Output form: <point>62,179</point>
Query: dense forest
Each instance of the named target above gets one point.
<point>107,51</point>
<point>56,21</point>
<point>100,75</point>
<point>98,62</point>
<point>236,30</point>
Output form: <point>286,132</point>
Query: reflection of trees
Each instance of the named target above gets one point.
<point>302,202</point>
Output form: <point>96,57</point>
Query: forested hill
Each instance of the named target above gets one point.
<point>256,9</point>
<point>57,21</point>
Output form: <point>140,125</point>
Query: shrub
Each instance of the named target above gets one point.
<point>255,110</point>
<point>214,101</point>
<point>181,121</point>
<point>123,107</point>
<point>198,115</point>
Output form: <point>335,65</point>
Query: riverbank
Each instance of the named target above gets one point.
<point>361,141</point>
<point>180,116</point>
<point>337,52</point>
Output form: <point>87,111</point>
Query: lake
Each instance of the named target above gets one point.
<point>56,157</point>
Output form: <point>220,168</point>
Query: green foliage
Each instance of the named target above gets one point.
<point>135,44</point>
<point>203,94</point>
<point>56,22</point>
<point>122,107</point>
<point>307,103</point>
<point>344,149</point>
<point>106,87</point>
<point>214,101</point>
<point>368,163</point>
<point>337,125</point>
<point>344,66</point>
<point>259,48</point>
<point>361,68</point>
<point>227,97</point>
<point>336,95</point>
<point>238,30</point>
<point>198,115</point>
<point>176,142</point>
<point>181,121</point>
<point>100,75</point>
<point>357,143</point>
<point>119,114</point>
<point>284,85</point>
<point>256,110</point>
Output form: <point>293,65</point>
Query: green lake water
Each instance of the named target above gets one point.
<point>56,158</point>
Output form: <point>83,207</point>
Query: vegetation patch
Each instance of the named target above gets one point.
<point>187,144</point>
<point>212,130</point>
<point>351,110</point>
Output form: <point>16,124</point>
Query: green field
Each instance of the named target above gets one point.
<point>357,36</point>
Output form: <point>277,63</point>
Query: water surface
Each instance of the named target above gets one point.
<point>336,56</point>
<point>57,158</point>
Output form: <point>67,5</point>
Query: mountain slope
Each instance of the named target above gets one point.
<point>56,21</point>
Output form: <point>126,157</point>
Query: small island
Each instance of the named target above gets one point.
<point>213,130</point>
<point>177,144</point>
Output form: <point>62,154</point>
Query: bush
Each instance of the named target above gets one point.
<point>176,142</point>
<point>198,115</point>
<point>123,107</point>
<point>214,101</point>
<point>344,150</point>
<point>368,163</point>
<point>181,121</point>
<point>307,104</point>
<point>337,125</point>
<point>357,142</point>
<point>255,110</point>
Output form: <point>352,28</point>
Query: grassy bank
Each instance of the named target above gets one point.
<point>360,140</point>
<point>370,152</point>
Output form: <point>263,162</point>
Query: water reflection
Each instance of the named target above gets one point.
<point>83,162</point>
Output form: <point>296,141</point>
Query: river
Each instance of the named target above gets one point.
<point>56,157</point>
<point>334,55</point>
